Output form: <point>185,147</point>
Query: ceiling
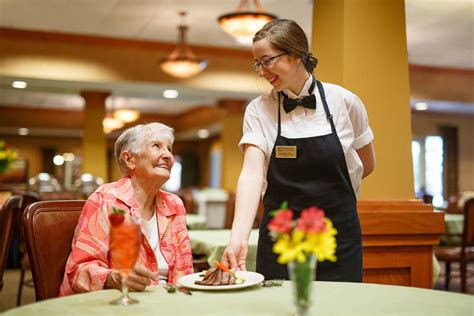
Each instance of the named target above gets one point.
<point>439,33</point>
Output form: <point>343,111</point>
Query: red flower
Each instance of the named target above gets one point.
<point>311,220</point>
<point>281,222</point>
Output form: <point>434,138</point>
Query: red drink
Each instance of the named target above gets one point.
<point>124,245</point>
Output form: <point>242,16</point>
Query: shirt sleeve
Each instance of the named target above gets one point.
<point>252,130</point>
<point>360,123</point>
<point>87,267</point>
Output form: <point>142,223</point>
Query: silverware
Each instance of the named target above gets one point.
<point>184,290</point>
<point>172,288</point>
<point>269,283</point>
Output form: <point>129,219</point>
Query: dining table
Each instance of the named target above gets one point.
<point>328,298</point>
<point>196,222</point>
<point>454,224</point>
<point>212,244</point>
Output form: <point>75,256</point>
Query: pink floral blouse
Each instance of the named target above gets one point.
<point>89,264</point>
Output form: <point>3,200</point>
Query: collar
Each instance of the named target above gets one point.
<point>124,193</point>
<point>304,90</point>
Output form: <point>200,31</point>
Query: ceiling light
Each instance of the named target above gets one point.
<point>203,133</point>
<point>126,115</point>
<point>421,106</point>
<point>23,131</point>
<point>19,84</point>
<point>170,94</point>
<point>182,63</point>
<point>109,124</point>
<point>58,160</point>
<point>69,156</point>
<point>244,23</point>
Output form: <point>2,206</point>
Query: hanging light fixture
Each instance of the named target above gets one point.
<point>182,63</point>
<point>126,115</point>
<point>110,124</point>
<point>244,23</point>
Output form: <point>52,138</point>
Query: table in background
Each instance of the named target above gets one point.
<point>212,243</point>
<point>329,298</point>
<point>454,224</point>
<point>195,222</point>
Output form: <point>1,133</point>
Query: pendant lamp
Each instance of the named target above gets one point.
<point>182,63</point>
<point>244,23</point>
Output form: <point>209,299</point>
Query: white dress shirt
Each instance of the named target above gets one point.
<point>350,119</point>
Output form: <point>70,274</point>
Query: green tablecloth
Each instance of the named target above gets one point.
<point>454,224</point>
<point>329,298</point>
<point>195,222</point>
<point>212,243</point>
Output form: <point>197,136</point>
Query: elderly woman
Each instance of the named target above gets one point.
<point>144,153</point>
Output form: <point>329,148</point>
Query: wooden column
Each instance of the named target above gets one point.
<point>94,143</point>
<point>231,134</point>
<point>361,45</point>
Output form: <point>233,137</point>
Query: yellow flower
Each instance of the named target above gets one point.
<point>290,248</point>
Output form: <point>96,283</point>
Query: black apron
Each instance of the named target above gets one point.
<point>317,177</point>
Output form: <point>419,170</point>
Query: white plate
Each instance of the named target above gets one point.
<point>251,278</point>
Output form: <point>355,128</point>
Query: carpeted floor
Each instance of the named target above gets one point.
<point>11,278</point>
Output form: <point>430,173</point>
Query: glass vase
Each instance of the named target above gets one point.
<point>302,275</point>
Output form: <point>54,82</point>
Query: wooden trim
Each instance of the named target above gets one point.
<point>431,69</point>
<point>121,42</point>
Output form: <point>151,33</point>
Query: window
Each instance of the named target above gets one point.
<point>174,182</point>
<point>428,156</point>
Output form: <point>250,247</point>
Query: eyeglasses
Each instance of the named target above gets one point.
<point>266,62</point>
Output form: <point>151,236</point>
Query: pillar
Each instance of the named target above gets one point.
<point>94,142</point>
<point>232,157</point>
<point>361,45</point>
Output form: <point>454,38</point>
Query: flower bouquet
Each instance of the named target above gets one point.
<point>299,244</point>
<point>7,157</point>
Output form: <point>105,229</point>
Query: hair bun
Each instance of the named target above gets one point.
<point>310,62</point>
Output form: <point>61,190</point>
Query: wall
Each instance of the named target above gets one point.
<point>427,124</point>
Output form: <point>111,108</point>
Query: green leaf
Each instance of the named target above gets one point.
<point>284,205</point>
<point>118,210</point>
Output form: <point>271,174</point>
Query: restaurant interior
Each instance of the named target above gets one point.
<point>75,74</point>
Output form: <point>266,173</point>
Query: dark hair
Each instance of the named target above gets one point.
<point>287,36</point>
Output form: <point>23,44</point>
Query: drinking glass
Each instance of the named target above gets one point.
<point>124,249</point>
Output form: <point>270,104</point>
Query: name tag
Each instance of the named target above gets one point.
<point>285,152</point>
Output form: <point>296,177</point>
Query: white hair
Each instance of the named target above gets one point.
<point>133,138</point>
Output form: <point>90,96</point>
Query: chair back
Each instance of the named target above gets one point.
<point>230,212</point>
<point>468,232</point>
<point>10,218</point>
<point>49,229</point>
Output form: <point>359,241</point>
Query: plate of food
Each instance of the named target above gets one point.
<point>220,278</point>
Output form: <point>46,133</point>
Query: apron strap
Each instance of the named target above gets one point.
<point>326,107</point>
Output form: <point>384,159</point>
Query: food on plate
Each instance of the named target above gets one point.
<point>220,275</point>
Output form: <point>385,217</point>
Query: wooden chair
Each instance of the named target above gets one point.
<point>10,220</point>
<point>186,196</point>
<point>462,254</point>
<point>49,228</point>
<point>230,212</point>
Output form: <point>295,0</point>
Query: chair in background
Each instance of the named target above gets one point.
<point>462,254</point>
<point>49,228</point>
<point>10,221</point>
<point>187,197</point>
<point>230,212</point>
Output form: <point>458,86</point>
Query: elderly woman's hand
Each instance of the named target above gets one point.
<point>138,279</point>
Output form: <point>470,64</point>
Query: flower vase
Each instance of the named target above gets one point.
<point>302,275</point>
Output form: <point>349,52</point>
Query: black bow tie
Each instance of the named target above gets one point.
<point>307,101</point>
<point>290,104</point>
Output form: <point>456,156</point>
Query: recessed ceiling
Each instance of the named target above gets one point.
<point>439,33</point>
